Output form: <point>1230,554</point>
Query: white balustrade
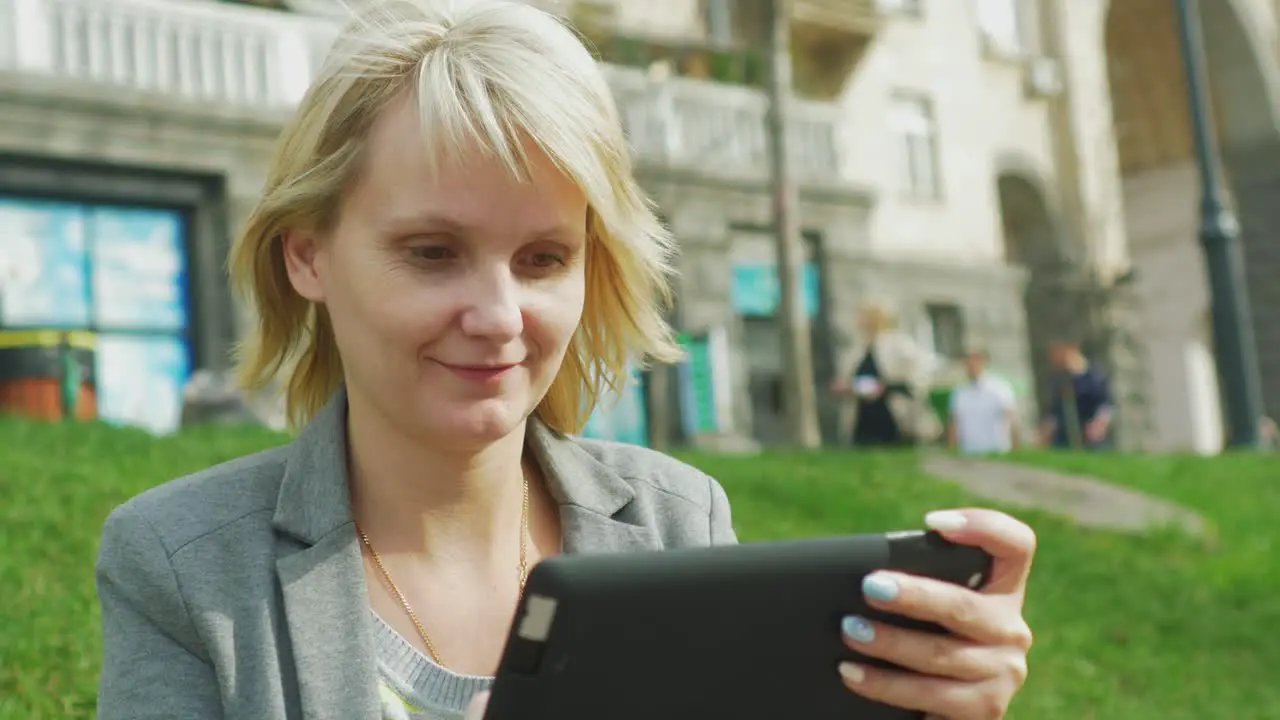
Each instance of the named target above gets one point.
<point>697,124</point>
<point>813,139</point>
<point>204,52</point>
<point>246,57</point>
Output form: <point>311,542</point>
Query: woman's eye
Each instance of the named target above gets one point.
<point>432,252</point>
<point>546,260</point>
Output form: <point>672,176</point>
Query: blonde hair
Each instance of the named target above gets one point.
<point>489,74</point>
<point>879,313</point>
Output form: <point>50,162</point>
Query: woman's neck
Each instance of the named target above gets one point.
<point>431,501</point>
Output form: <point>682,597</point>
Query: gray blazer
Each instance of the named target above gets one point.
<point>239,591</point>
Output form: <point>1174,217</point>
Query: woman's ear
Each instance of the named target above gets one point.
<point>301,250</point>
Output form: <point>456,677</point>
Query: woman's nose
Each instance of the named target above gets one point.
<point>493,307</point>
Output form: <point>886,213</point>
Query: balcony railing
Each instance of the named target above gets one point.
<point>202,52</point>
<point>235,56</point>
<point>695,124</point>
<point>855,17</point>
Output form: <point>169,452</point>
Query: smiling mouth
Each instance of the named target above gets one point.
<point>480,373</point>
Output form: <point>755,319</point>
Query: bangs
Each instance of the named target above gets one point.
<point>467,105</point>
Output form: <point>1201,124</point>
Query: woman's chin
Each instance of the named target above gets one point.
<point>480,424</point>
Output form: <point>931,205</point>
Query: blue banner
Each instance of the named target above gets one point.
<point>141,379</point>
<point>139,269</point>
<point>43,264</point>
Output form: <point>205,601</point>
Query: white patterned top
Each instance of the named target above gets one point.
<point>412,687</point>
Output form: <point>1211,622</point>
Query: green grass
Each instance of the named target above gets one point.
<point>1157,626</point>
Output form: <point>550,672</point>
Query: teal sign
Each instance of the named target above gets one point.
<point>622,418</point>
<point>756,292</point>
<point>697,392</point>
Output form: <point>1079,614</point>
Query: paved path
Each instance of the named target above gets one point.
<point>1085,500</point>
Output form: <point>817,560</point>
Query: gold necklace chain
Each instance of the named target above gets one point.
<point>404,602</point>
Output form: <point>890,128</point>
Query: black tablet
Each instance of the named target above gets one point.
<point>748,632</point>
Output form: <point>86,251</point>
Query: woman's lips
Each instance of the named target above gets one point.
<point>480,373</point>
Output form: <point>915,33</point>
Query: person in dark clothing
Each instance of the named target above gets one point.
<point>1080,412</point>
<point>883,378</point>
<point>875,425</point>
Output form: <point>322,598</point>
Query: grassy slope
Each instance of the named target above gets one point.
<point>1146,627</point>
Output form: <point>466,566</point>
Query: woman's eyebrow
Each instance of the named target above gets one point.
<point>417,222</point>
<point>435,222</point>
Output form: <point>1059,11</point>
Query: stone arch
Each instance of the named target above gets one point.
<point>1034,240</point>
<point>1148,89</point>
<point>1161,186</point>
<point>1032,223</point>
<point>1247,86</point>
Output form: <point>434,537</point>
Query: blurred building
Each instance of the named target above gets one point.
<point>959,159</point>
<point>1160,196</point>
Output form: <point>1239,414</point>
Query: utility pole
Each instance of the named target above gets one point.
<point>1234,344</point>
<point>659,406</point>
<point>799,401</point>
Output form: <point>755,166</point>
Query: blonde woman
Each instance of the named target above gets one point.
<point>884,378</point>
<point>449,262</point>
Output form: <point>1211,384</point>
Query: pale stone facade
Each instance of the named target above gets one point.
<point>959,160</point>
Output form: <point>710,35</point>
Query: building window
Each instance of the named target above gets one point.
<point>946,325</point>
<point>118,275</point>
<point>271,4</point>
<point>911,120</point>
<point>719,17</point>
<point>1004,25</point>
<point>912,8</point>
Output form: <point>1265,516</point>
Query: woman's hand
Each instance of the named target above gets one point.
<point>974,674</point>
<point>1095,431</point>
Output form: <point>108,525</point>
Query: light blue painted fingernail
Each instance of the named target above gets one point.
<point>880,588</point>
<point>858,629</point>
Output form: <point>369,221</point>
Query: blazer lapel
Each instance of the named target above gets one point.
<point>326,608</point>
<point>321,575</point>
<point>596,514</point>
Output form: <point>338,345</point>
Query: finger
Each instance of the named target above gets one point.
<point>950,699</point>
<point>926,653</point>
<point>985,619</point>
<point>475,710</point>
<point>1011,542</point>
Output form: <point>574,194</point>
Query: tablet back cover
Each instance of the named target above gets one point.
<point>749,632</point>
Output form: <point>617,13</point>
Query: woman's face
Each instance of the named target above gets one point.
<point>453,299</point>
<point>867,322</point>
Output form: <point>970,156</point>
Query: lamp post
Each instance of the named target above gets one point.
<point>1234,346</point>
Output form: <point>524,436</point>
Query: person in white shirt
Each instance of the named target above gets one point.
<point>984,412</point>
